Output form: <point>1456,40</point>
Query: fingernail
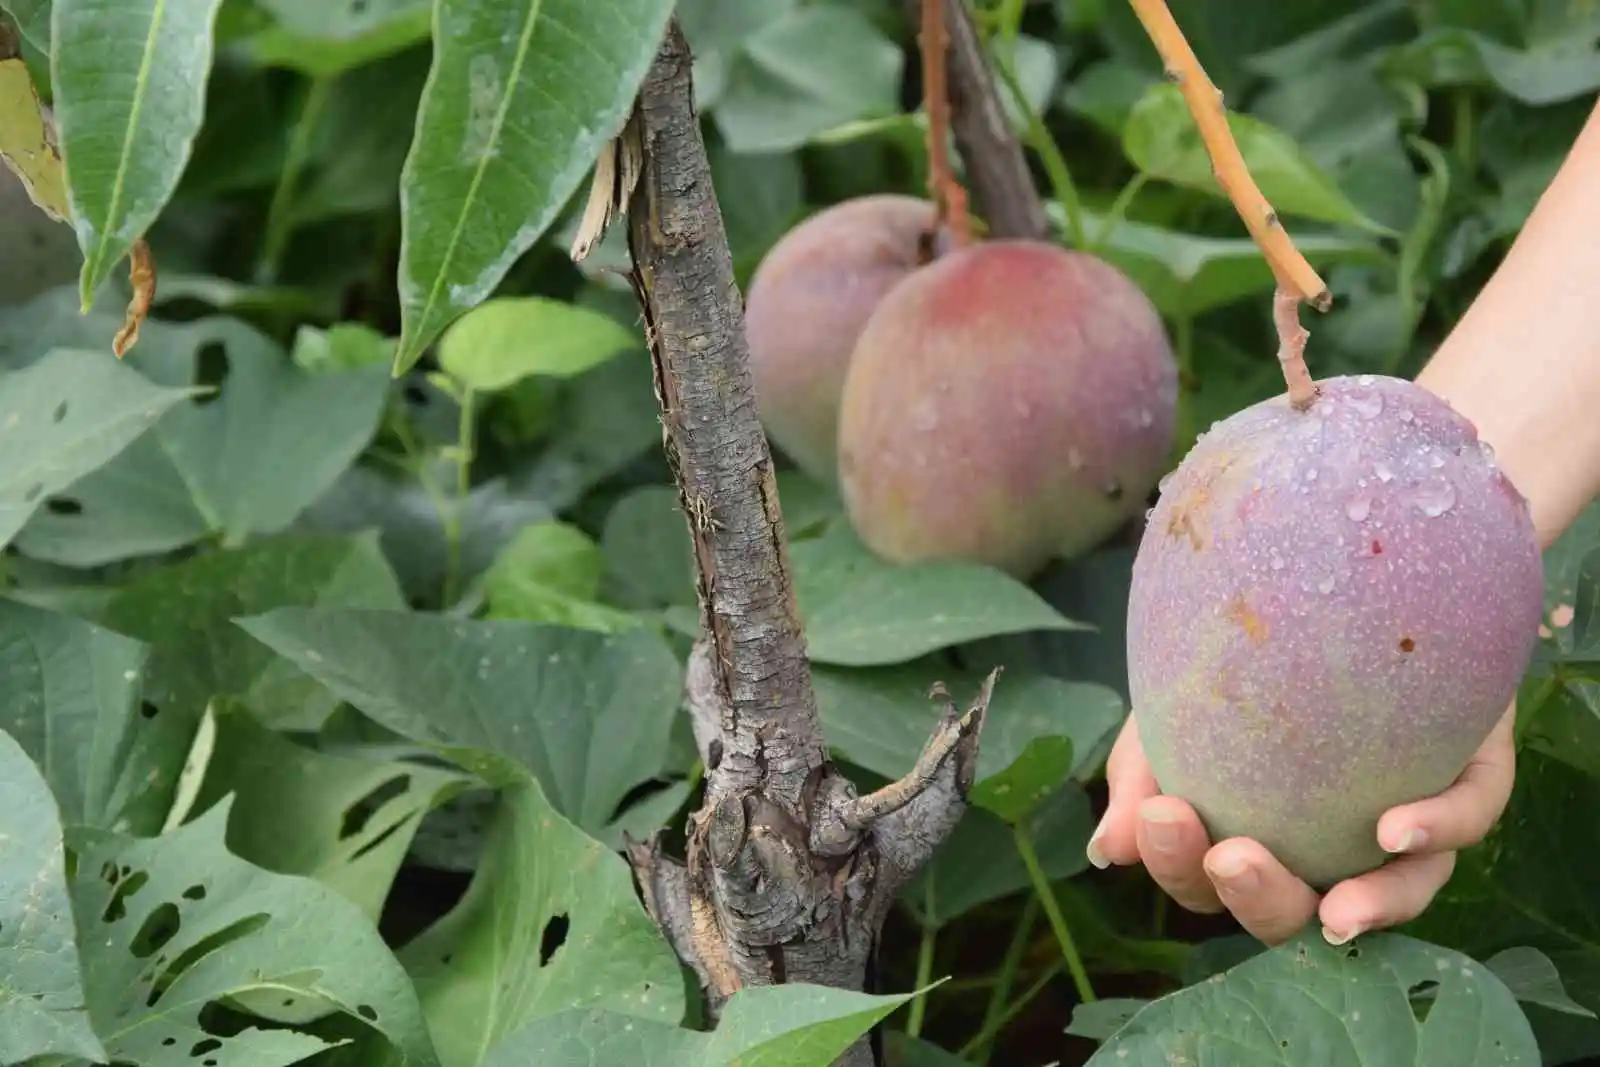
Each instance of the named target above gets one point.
<point>1333,937</point>
<point>1234,874</point>
<point>1096,857</point>
<point>1163,833</point>
<point>1411,839</point>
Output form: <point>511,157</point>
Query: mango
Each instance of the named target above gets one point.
<point>1330,610</point>
<point>1010,402</point>
<point>807,302</point>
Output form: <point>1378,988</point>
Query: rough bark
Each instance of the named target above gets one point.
<point>997,172</point>
<point>789,872</point>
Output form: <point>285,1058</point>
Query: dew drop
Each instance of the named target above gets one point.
<point>1074,459</point>
<point>1406,415</point>
<point>1365,379</point>
<point>1486,450</point>
<point>1276,563</point>
<point>1166,480</point>
<point>1383,471</point>
<point>1023,409</point>
<point>1436,499</point>
<point>1358,509</point>
<point>1368,407</point>
<point>1147,418</point>
<point>1326,585</point>
<point>1435,461</point>
<point>1311,474</point>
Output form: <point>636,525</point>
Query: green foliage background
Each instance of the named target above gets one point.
<point>327,696</point>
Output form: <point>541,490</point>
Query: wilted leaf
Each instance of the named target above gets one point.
<point>860,610</point>
<point>521,97</point>
<point>504,699</point>
<point>1340,1007</point>
<point>342,820</point>
<point>171,925</point>
<point>762,1026</point>
<point>1161,139</point>
<point>504,340</point>
<point>25,145</point>
<point>70,695</point>
<point>129,82</point>
<point>186,612</point>
<point>41,984</point>
<point>65,416</point>
<point>550,922</point>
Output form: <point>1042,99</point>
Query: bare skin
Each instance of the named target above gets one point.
<point>1524,365</point>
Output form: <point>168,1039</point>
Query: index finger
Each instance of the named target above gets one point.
<point>1130,782</point>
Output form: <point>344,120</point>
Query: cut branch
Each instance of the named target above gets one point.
<point>1295,276</point>
<point>997,171</point>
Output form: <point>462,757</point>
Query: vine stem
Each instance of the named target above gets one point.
<point>1297,279</point>
<point>992,1030</point>
<point>930,934</point>
<point>1052,911</point>
<point>949,198</point>
<point>280,222</point>
<point>995,1013</point>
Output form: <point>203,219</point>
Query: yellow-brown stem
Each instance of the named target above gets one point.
<point>949,198</point>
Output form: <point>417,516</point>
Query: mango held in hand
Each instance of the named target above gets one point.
<point>1009,402</point>
<point>1330,611</point>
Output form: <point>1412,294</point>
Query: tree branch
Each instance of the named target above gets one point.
<point>694,319</point>
<point>949,198</point>
<point>1297,279</point>
<point>996,167</point>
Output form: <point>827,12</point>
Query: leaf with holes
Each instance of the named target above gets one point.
<point>860,610</point>
<point>41,985</point>
<point>186,613</point>
<point>794,1025</point>
<point>1350,1006</point>
<point>64,416</point>
<point>522,96</point>
<point>550,922</point>
<point>505,699</point>
<point>129,83</point>
<point>176,924</point>
<point>70,696</point>
<point>345,820</point>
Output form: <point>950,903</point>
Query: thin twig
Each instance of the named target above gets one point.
<point>1294,274</point>
<point>949,198</point>
<point>1292,348</point>
<point>142,277</point>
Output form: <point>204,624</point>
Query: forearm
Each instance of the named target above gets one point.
<point>1524,362</point>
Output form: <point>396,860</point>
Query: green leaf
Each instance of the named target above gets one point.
<point>551,922</point>
<point>860,610</point>
<point>502,341</point>
<point>1342,1007</point>
<point>129,81</point>
<point>70,696</point>
<point>522,96</point>
<point>792,1025</point>
<point>1185,274</point>
<point>65,416</point>
<point>343,346</point>
<point>979,863</point>
<point>1161,139</point>
<point>504,699</point>
<point>324,40</point>
<point>1547,72</point>
<point>1533,979</point>
<point>33,19</point>
<point>902,1050</point>
<point>173,924</point>
<point>649,559</point>
<point>41,983</point>
<point>803,73</point>
<point>186,612</point>
<point>551,572</point>
<point>1027,782</point>
<point>1099,1019</point>
<point>880,718</point>
<point>345,821</point>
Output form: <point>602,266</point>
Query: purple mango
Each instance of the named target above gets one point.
<point>1330,611</point>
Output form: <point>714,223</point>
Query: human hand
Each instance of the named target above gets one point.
<point>1241,876</point>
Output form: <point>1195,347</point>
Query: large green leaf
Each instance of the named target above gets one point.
<point>345,820</point>
<point>551,922</point>
<point>33,19</point>
<point>41,983</point>
<point>325,40</point>
<point>505,699</point>
<point>1341,1007</point>
<point>550,572</point>
<point>1162,140</point>
<point>186,612</point>
<point>1543,73</point>
<point>173,925</point>
<point>70,695</point>
<point>862,611</point>
<point>65,416</point>
<point>522,96</point>
<point>129,81</point>
<point>761,1026</point>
